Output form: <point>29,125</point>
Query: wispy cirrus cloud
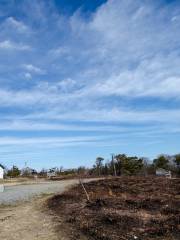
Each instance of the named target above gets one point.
<point>9,45</point>
<point>47,140</point>
<point>14,24</point>
<point>33,69</point>
<point>119,64</point>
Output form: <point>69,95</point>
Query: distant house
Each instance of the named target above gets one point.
<point>51,174</point>
<point>2,168</point>
<point>163,172</point>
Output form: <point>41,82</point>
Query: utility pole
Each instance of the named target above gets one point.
<point>114,166</point>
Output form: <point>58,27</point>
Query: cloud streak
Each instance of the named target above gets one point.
<point>118,65</point>
<point>9,45</point>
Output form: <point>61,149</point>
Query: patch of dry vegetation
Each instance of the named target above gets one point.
<point>123,208</point>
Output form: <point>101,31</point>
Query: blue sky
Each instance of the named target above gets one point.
<point>81,79</point>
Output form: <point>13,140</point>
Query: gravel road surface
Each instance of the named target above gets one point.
<point>12,194</point>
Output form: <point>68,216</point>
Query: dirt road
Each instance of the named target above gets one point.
<point>26,191</point>
<point>29,220</point>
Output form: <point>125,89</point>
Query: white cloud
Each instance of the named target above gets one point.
<point>9,45</point>
<point>56,102</point>
<point>54,141</point>
<point>14,124</point>
<point>33,69</point>
<point>152,78</point>
<point>116,115</point>
<point>59,52</point>
<point>28,75</point>
<point>17,25</point>
<point>126,50</point>
<point>66,84</point>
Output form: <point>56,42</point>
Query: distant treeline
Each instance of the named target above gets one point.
<point>120,164</point>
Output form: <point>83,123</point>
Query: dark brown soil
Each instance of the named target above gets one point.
<point>123,208</point>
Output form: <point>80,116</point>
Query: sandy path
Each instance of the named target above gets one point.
<point>27,221</point>
<point>31,220</point>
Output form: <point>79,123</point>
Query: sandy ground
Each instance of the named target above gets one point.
<point>32,220</point>
<point>28,221</point>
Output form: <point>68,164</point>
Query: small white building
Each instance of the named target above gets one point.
<point>51,174</point>
<point>1,171</point>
